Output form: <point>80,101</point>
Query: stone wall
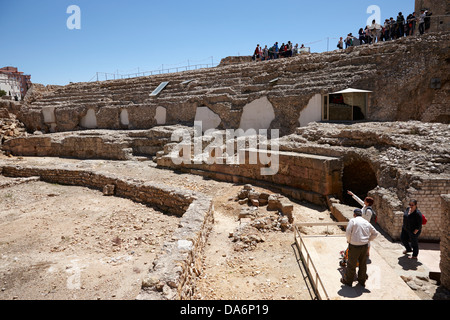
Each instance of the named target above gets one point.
<point>389,209</point>
<point>302,176</point>
<point>174,272</point>
<point>445,241</point>
<point>428,197</point>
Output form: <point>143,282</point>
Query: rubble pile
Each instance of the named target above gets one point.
<point>254,221</point>
<point>10,127</point>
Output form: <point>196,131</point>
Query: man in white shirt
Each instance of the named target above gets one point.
<point>359,233</point>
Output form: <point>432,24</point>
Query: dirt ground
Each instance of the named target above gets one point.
<point>73,243</point>
<point>60,242</point>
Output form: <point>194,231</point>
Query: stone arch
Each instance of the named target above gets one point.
<point>124,118</point>
<point>209,119</point>
<point>89,121</point>
<point>161,115</point>
<point>358,177</point>
<point>257,115</point>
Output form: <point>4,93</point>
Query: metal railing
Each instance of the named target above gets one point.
<point>311,269</point>
<point>105,76</point>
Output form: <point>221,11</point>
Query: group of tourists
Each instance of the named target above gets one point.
<point>361,231</point>
<point>286,50</point>
<point>391,29</point>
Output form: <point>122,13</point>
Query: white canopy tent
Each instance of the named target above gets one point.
<point>351,90</point>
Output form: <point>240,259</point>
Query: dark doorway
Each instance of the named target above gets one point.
<point>359,178</point>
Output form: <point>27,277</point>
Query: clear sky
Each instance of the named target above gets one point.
<point>122,36</point>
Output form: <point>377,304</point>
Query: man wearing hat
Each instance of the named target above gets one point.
<point>359,232</point>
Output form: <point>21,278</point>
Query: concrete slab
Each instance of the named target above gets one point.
<point>384,283</point>
<point>430,256</point>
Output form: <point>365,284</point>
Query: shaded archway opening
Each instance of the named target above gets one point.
<point>358,177</point>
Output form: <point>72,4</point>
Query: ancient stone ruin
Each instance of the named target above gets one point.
<point>399,150</point>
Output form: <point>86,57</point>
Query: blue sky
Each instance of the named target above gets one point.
<point>122,36</point>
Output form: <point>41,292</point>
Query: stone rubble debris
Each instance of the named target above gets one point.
<point>254,221</point>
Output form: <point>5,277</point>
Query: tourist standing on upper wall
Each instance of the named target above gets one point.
<point>400,25</point>
<point>422,22</point>
<point>340,44</point>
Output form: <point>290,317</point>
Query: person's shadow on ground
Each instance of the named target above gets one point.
<point>408,264</point>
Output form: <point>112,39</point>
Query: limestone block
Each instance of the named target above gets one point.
<point>124,120</point>
<point>109,189</point>
<point>89,121</point>
<point>49,115</point>
<point>253,195</point>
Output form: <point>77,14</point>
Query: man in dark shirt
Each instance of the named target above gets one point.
<point>400,25</point>
<point>412,227</point>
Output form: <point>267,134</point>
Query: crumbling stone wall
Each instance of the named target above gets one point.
<point>10,127</point>
<point>445,241</point>
<point>389,209</point>
<point>159,196</point>
<point>409,159</point>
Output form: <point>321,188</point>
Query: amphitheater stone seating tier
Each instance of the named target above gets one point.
<point>399,73</point>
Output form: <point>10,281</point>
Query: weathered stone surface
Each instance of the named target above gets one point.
<point>228,89</point>
<point>93,144</point>
<point>10,127</point>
